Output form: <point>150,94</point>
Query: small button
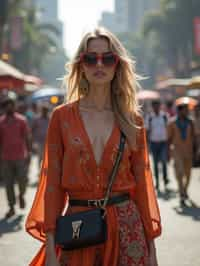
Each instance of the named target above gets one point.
<point>98,177</point>
<point>97,185</point>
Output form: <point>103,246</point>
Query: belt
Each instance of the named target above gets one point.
<point>99,202</point>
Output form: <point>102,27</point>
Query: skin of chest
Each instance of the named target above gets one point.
<point>99,127</point>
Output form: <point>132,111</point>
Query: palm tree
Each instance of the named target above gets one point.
<point>38,41</point>
<point>7,10</point>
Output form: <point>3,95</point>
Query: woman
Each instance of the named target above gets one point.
<point>81,147</point>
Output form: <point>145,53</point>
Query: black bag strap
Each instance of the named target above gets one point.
<point>115,168</point>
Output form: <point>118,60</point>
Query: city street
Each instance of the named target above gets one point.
<point>178,245</point>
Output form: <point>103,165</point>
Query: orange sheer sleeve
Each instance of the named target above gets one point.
<point>49,199</point>
<point>145,194</point>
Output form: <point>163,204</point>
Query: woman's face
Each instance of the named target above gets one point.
<point>99,74</point>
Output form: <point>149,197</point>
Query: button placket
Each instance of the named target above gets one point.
<point>98,177</point>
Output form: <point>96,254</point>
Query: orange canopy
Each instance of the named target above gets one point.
<point>12,78</point>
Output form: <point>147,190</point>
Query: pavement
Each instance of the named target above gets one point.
<point>179,244</point>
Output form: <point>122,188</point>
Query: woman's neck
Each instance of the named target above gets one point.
<point>98,97</point>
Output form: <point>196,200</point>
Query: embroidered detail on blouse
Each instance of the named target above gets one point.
<point>76,141</point>
<point>139,170</point>
<point>56,165</point>
<point>50,188</point>
<point>53,147</point>
<point>84,156</point>
<point>72,179</point>
<point>140,146</point>
<point>66,156</point>
<point>114,153</point>
<point>65,125</point>
<point>141,167</point>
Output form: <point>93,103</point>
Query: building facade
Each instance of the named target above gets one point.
<point>128,15</point>
<point>48,13</point>
<point>137,10</point>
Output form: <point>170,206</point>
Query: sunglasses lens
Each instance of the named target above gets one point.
<point>90,59</point>
<point>109,59</point>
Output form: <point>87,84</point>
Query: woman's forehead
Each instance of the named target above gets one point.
<point>99,45</point>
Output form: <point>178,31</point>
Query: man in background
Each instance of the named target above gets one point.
<point>15,147</point>
<point>181,136</point>
<point>156,125</point>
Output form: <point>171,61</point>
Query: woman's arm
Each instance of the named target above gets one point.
<point>145,196</point>
<point>152,254</point>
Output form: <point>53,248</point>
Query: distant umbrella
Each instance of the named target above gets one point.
<point>148,95</point>
<point>195,82</point>
<point>190,102</point>
<point>47,93</point>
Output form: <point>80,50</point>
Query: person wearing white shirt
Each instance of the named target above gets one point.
<point>156,125</point>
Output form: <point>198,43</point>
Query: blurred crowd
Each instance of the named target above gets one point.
<point>173,132</point>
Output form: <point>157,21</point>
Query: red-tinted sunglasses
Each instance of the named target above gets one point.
<point>108,59</point>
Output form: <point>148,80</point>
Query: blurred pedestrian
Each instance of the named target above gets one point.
<point>197,135</point>
<point>80,152</point>
<point>170,109</point>
<point>156,125</point>
<point>31,113</point>
<point>181,137</point>
<point>39,130</point>
<point>15,143</point>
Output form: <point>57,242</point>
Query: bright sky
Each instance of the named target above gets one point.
<point>80,16</point>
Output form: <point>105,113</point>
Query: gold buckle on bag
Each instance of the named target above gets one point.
<point>76,226</point>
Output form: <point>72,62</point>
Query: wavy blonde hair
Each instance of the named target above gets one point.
<point>123,86</point>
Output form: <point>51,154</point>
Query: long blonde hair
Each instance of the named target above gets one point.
<point>123,86</point>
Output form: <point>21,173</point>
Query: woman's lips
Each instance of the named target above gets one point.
<point>99,74</point>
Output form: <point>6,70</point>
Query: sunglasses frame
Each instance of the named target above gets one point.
<point>99,57</point>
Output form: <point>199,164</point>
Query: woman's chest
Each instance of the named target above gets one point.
<point>93,145</point>
<point>98,126</point>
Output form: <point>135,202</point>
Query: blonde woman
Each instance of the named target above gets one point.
<point>81,148</point>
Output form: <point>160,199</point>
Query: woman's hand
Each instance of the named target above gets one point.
<point>152,260</point>
<point>152,255</point>
<point>51,259</point>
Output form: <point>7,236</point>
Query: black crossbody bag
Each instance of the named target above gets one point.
<point>87,228</point>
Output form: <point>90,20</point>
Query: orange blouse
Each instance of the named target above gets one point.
<point>69,170</point>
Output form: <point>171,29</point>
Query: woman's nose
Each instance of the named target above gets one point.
<point>99,62</point>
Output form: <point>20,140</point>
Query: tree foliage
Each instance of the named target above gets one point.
<point>173,25</point>
<point>39,39</point>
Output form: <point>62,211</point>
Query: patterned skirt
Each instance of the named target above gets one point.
<point>133,246</point>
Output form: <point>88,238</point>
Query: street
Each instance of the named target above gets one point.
<point>178,245</point>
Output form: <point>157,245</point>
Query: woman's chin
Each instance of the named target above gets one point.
<point>100,82</point>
